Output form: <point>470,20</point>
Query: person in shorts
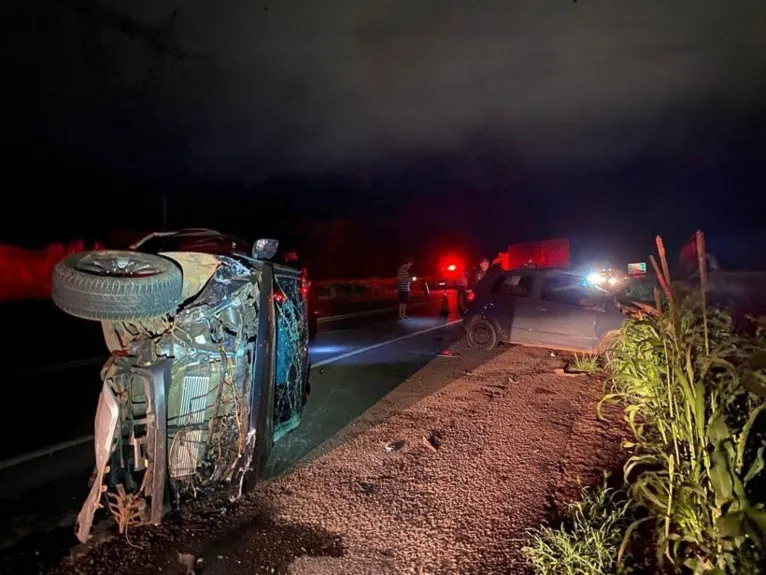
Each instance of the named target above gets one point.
<point>403,281</point>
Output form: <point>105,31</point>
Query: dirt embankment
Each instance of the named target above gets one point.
<point>445,485</point>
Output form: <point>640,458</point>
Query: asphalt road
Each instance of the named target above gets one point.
<point>53,361</point>
<point>357,362</point>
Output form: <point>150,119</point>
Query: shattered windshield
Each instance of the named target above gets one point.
<point>292,353</point>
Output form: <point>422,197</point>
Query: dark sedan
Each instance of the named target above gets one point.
<point>545,308</point>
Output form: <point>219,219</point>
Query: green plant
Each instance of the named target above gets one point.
<point>691,394</point>
<point>588,540</point>
<point>585,364</point>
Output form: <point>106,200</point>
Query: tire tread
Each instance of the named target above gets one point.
<point>109,298</point>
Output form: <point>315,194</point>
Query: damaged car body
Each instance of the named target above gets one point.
<point>208,367</point>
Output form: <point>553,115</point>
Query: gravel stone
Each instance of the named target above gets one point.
<point>512,437</point>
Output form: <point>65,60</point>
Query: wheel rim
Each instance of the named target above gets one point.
<point>116,265</point>
<point>482,335</point>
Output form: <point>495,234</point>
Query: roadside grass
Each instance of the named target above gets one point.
<point>588,540</point>
<point>585,364</point>
<point>692,390</point>
<point>693,393</point>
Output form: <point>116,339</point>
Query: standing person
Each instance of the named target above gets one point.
<point>482,271</point>
<point>461,289</point>
<point>403,280</point>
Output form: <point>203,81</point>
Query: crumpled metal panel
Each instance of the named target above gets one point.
<point>179,395</point>
<point>228,278</point>
<point>197,270</point>
<point>107,417</point>
<point>155,378</point>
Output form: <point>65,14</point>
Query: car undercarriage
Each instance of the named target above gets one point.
<point>192,400</point>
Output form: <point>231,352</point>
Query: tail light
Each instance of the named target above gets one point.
<point>279,297</point>
<point>470,296</point>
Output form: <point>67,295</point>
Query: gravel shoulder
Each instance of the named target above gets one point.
<point>473,465</point>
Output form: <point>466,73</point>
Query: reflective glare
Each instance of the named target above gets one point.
<point>596,279</point>
<point>328,349</point>
<point>418,323</point>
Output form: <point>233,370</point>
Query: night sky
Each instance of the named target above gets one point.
<point>464,124</point>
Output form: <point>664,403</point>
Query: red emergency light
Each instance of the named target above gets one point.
<point>451,264</point>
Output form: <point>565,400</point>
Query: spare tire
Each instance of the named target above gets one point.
<point>116,285</point>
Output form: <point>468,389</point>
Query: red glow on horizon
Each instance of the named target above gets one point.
<point>26,274</point>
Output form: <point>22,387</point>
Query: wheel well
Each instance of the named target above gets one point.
<point>500,334</point>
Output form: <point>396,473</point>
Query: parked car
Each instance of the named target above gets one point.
<point>209,366</point>
<point>539,307</point>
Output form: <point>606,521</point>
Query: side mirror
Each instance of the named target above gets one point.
<point>264,249</point>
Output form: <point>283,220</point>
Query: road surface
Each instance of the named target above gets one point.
<point>54,361</point>
<point>444,475</point>
<point>357,361</point>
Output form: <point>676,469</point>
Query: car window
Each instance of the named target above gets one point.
<point>513,284</point>
<point>569,290</point>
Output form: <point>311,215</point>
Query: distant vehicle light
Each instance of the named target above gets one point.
<point>452,267</point>
<point>612,281</point>
<point>414,278</point>
<point>596,279</point>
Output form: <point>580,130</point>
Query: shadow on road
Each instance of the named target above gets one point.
<point>39,515</point>
<point>405,373</point>
<point>37,525</point>
<point>211,536</point>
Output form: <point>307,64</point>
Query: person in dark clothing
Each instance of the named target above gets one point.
<point>482,271</point>
<point>461,290</point>
<point>403,281</point>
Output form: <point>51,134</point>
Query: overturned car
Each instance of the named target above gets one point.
<point>208,367</point>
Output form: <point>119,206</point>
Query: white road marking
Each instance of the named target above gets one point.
<point>95,360</point>
<point>19,459</point>
<point>80,440</point>
<point>382,343</point>
<point>332,318</point>
<point>61,366</point>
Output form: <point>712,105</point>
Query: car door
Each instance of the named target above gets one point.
<point>566,312</point>
<point>511,297</point>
